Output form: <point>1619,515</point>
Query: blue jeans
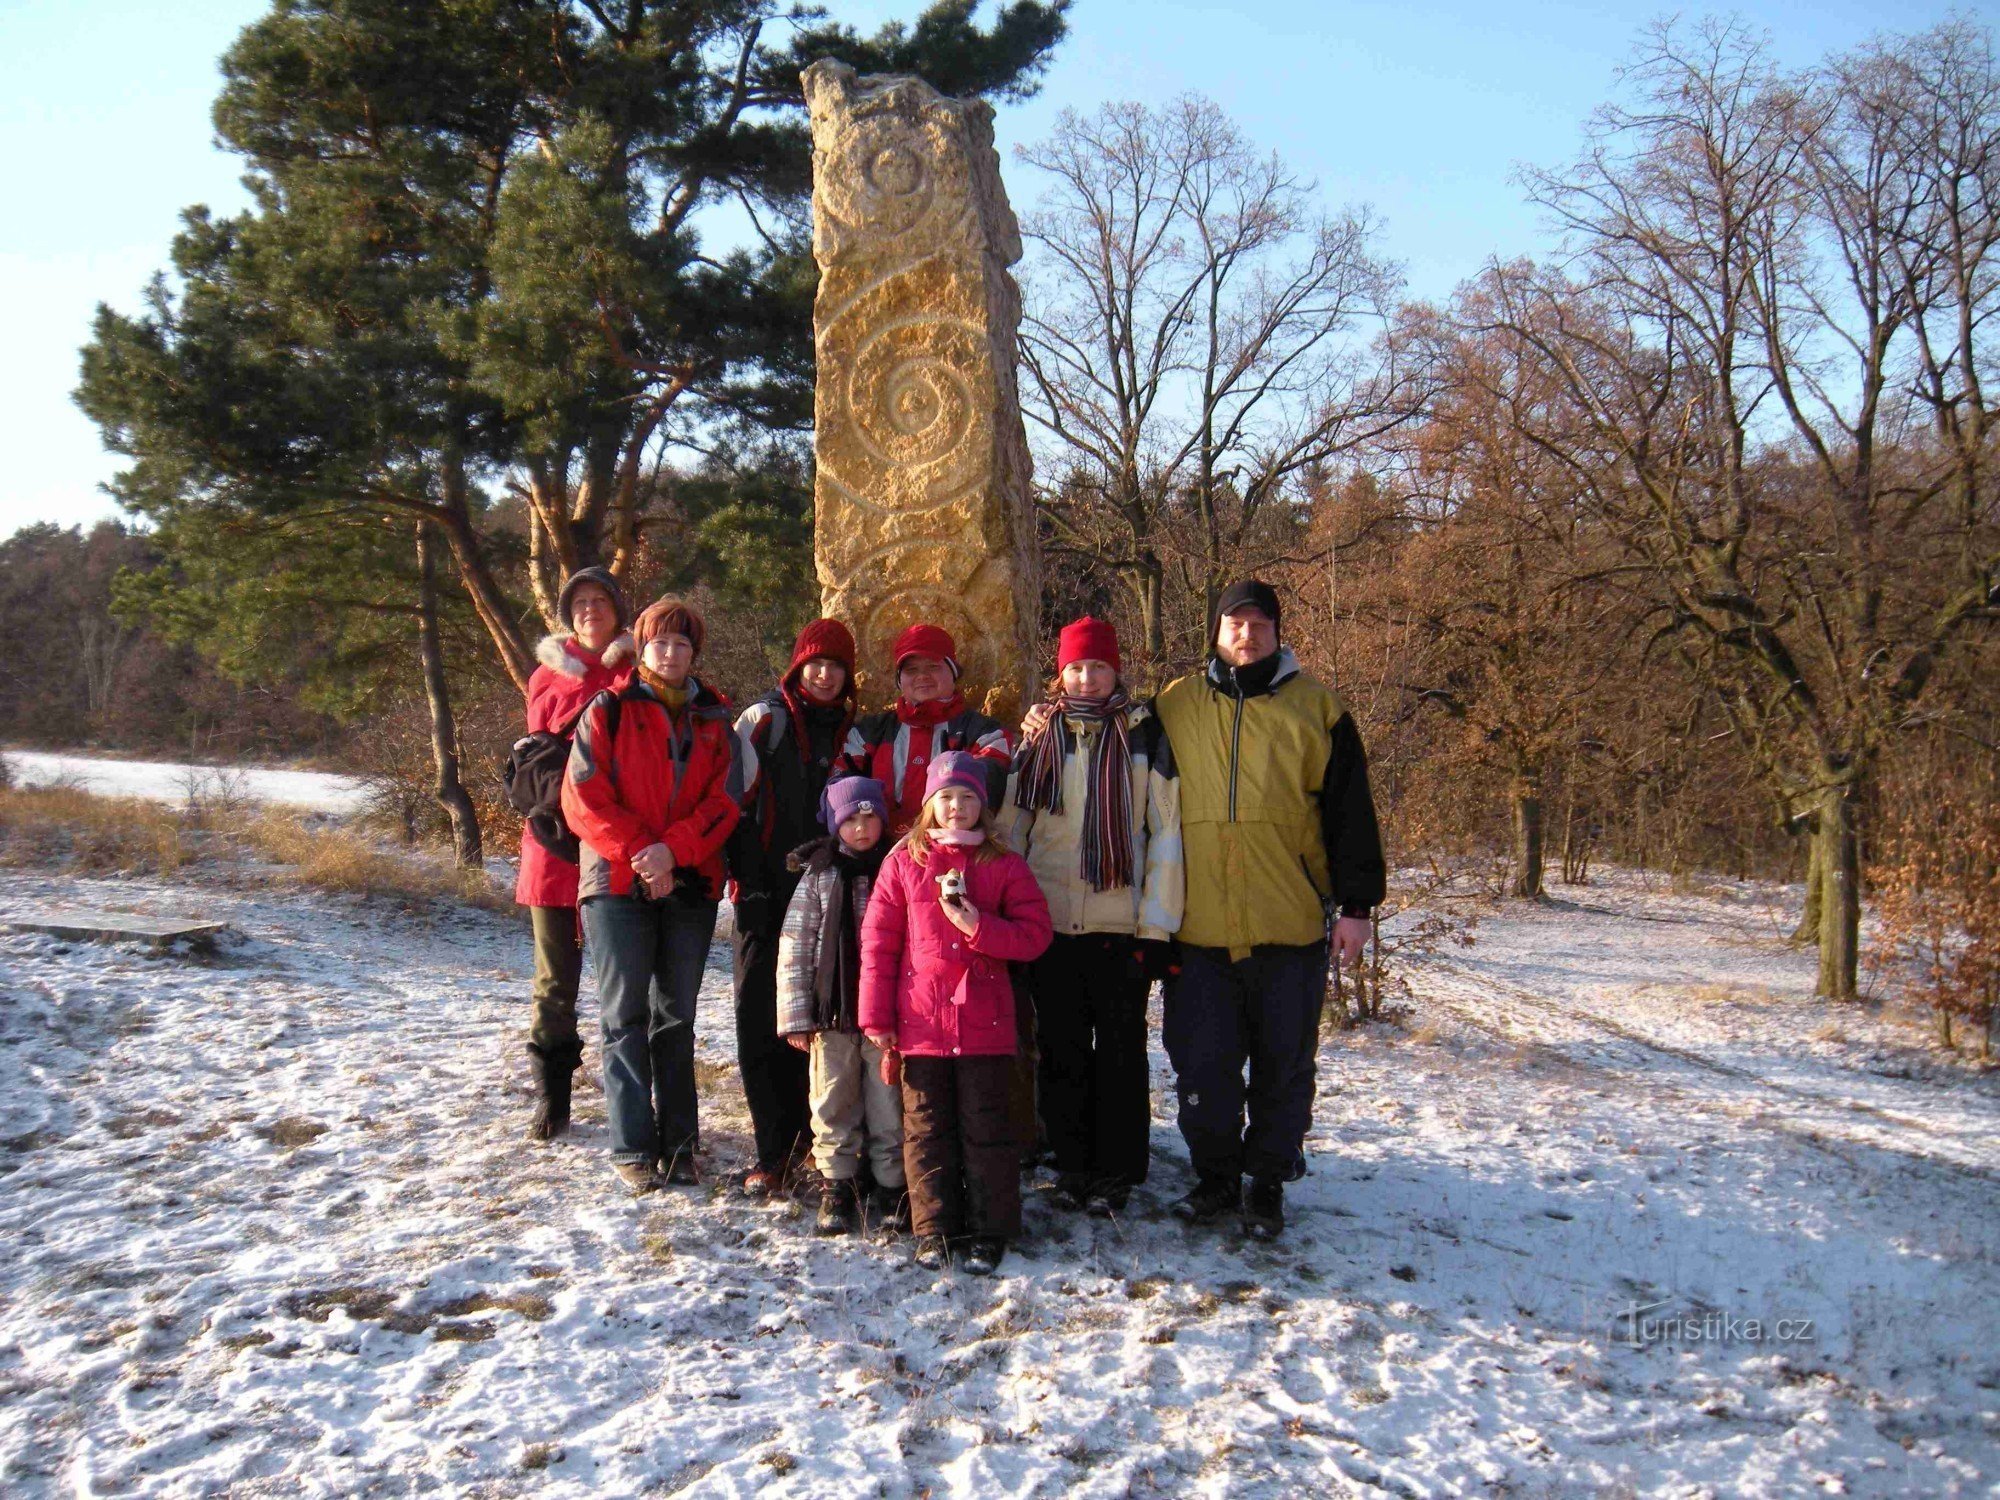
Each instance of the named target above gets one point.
<point>648,958</point>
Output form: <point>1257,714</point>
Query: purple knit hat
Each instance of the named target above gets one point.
<point>844,798</point>
<point>956,768</point>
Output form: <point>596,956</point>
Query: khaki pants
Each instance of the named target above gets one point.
<point>854,1110</point>
<point>558,970</point>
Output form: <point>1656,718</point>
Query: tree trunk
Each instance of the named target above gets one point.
<point>455,521</point>
<point>1527,837</point>
<point>451,793</point>
<point>1837,843</point>
<point>1808,929</point>
<point>1152,617</point>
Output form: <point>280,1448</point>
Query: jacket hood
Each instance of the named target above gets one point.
<point>554,654</point>
<point>813,854</point>
<point>817,854</point>
<point>1218,674</point>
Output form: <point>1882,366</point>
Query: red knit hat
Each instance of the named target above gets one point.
<point>827,638</point>
<point>927,640</point>
<point>1088,639</point>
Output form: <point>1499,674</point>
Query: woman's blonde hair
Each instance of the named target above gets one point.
<point>919,837</point>
<point>1054,690</point>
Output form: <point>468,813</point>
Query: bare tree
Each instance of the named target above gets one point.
<point>1196,339</point>
<point>1766,271</point>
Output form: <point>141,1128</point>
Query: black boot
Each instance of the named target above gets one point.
<point>1070,1191</point>
<point>554,1073</point>
<point>836,1208</point>
<point>1211,1199</point>
<point>892,1210</point>
<point>1264,1208</point>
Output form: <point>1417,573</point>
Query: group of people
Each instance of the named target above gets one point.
<point>947,930</point>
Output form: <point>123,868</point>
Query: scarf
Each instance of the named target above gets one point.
<point>674,699</point>
<point>1107,806</point>
<point>964,838</point>
<point>837,980</point>
<point>808,714</point>
<point>930,715</point>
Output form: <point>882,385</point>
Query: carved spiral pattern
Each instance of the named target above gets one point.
<point>916,396</point>
<point>886,181</point>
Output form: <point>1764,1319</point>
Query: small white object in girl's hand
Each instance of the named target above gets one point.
<point>951,885</point>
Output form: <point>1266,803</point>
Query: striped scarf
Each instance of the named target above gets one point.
<point>1107,807</point>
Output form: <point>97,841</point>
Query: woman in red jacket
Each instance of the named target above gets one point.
<point>652,791</point>
<point>951,909</point>
<point>590,656</point>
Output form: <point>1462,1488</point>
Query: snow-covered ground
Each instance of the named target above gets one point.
<point>174,781</point>
<point>271,1229</point>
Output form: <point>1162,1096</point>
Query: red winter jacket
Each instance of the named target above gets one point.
<point>897,745</point>
<point>654,782</point>
<point>938,992</point>
<point>567,679</point>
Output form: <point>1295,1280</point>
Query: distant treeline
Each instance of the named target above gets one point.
<point>77,672</point>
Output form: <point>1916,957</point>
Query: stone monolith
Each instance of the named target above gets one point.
<point>922,507</point>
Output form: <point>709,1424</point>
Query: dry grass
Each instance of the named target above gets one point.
<point>333,859</point>
<point>74,831</point>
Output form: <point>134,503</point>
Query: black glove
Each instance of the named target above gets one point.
<point>1157,958</point>
<point>690,886</point>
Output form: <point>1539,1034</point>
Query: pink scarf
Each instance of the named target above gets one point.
<point>964,838</point>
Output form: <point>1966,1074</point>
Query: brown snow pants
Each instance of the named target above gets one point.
<point>960,1152</point>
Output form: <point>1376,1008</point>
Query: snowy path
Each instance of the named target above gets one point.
<point>171,781</point>
<point>272,1231</point>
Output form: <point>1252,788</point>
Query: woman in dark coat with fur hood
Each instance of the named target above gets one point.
<point>590,655</point>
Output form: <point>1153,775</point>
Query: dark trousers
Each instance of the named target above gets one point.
<point>1024,1103</point>
<point>1263,1011</point>
<point>558,972</point>
<point>1090,1019</point>
<point>960,1153</point>
<point>775,1074</point>
<point>648,957</point>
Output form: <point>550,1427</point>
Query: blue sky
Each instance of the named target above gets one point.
<point>1423,110</point>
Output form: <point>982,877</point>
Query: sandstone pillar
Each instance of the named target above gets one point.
<point>922,508</point>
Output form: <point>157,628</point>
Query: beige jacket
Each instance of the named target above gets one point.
<point>1054,849</point>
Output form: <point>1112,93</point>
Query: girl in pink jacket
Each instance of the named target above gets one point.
<point>952,909</point>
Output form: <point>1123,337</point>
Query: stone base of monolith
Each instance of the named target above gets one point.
<point>922,506</point>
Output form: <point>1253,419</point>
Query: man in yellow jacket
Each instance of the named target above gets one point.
<point>1279,832</point>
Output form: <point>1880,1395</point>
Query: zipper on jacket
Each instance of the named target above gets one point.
<point>1235,749</point>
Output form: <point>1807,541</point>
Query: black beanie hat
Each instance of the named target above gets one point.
<point>1250,591</point>
<point>603,579</point>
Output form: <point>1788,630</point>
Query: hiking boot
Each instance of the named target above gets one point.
<point>933,1252</point>
<point>637,1176</point>
<point>1264,1208</point>
<point>679,1169</point>
<point>1107,1196</point>
<point>552,1088</point>
<point>1070,1191</point>
<point>983,1255</point>
<point>836,1209</point>
<point>1211,1199</point>
<point>892,1209</point>
<point>761,1183</point>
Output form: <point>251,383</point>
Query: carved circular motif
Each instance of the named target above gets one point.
<point>918,396</point>
<point>894,170</point>
<point>885,179</point>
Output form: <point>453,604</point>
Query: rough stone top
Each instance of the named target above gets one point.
<point>895,159</point>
